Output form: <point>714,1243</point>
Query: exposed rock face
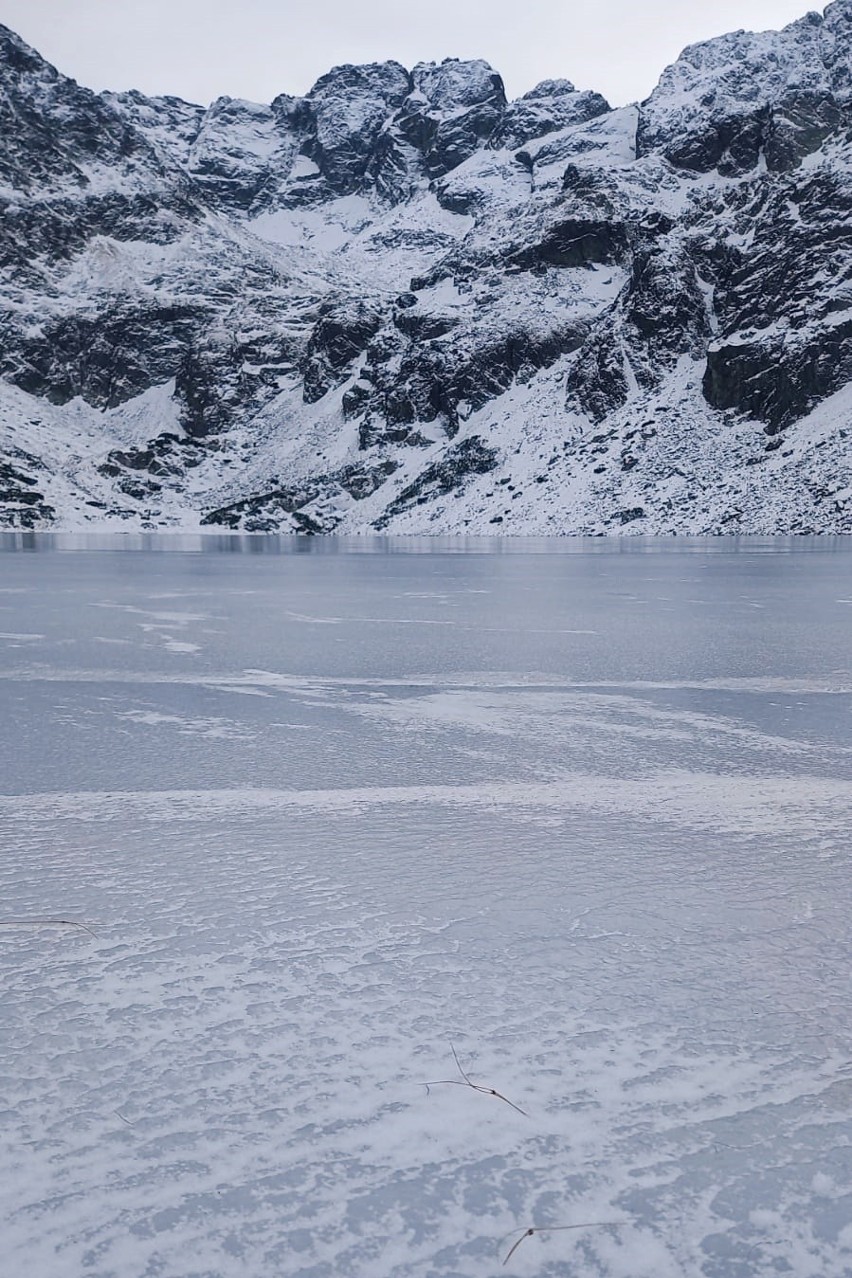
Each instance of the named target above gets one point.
<point>452,111</point>
<point>402,302</point>
<point>23,504</point>
<point>54,132</point>
<point>339,336</point>
<point>343,116</point>
<point>550,106</point>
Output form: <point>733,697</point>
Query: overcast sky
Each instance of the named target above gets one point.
<point>200,49</point>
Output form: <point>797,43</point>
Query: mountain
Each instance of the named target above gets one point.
<point>401,303</point>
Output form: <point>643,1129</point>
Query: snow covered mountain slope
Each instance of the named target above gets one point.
<point>402,303</point>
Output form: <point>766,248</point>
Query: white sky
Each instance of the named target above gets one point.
<point>199,49</point>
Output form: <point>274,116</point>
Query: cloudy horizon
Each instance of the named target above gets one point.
<point>203,49</point>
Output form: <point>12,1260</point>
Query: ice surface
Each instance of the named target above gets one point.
<point>334,812</point>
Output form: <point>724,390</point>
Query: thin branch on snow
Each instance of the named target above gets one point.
<point>554,1229</point>
<point>46,923</point>
<point>723,1144</point>
<point>466,1081</point>
<point>764,1242</point>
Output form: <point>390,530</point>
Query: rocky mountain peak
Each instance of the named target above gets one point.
<point>452,110</point>
<point>836,44</point>
<point>716,105</point>
<point>454,83</point>
<point>343,115</point>
<point>549,89</point>
<point>387,82</point>
<point>18,58</point>
<point>57,134</point>
<point>401,302</point>
<point>547,108</point>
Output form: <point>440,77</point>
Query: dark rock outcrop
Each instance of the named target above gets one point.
<point>468,458</point>
<point>338,338</point>
<point>550,106</point>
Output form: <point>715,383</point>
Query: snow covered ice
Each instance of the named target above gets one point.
<point>333,811</point>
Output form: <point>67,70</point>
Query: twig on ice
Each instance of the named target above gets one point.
<point>45,923</point>
<point>764,1242</point>
<point>553,1229</point>
<point>466,1081</point>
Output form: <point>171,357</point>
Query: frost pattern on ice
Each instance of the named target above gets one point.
<point>313,868</point>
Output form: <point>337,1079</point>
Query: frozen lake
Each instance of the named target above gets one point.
<point>579,813</point>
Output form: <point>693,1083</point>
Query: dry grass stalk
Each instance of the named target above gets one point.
<point>466,1081</point>
<point>554,1229</point>
<point>45,923</point>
